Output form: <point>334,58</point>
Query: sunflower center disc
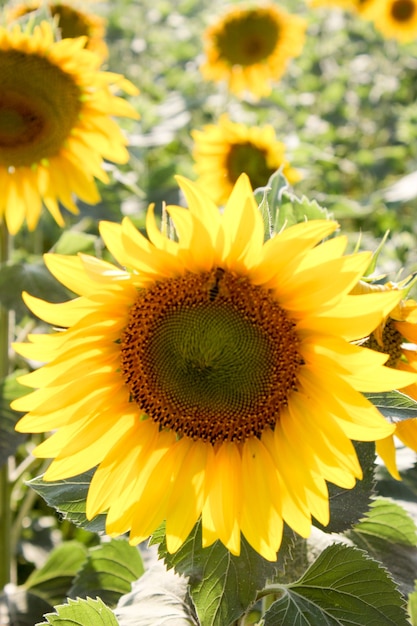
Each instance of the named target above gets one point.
<point>403,10</point>
<point>249,39</point>
<point>70,21</point>
<point>210,356</point>
<point>39,105</point>
<point>245,157</point>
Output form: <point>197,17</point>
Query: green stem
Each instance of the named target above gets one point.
<point>5,487</point>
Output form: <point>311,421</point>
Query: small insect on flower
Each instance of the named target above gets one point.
<point>215,287</point>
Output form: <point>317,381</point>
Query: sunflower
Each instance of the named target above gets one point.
<point>53,141</point>
<point>196,373</point>
<point>395,18</point>
<point>71,19</point>
<point>251,47</point>
<point>396,336</point>
<point>225,150</point>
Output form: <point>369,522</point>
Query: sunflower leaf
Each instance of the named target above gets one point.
<point>52,581</point>
<point>222,586</point>
<point>69,497</point>
<point>394,405</point>
<point>9,438</point>
<point>347,506</point>
<point>81,613</point>
<point>412,605</point>
<point>343,587</point>
<point>389,521</point>
<point>389,534</point>
<point>108,572</point>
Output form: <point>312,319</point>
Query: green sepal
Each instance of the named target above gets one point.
<point>282,208</point>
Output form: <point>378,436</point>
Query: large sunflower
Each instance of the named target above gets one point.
<point>210,376</point>
<point>72,21</point>
<point>395,18</point>
<point>53,140</point>
<point>249,48</point>
<point>397,337</point>
<point>225,150</point>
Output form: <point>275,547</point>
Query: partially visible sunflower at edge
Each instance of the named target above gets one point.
<point>395,18</point>
<point>210,376</point>
<point>225,150</point>
<point>250,48</point>
<point>72,21</point>
<point>397,337</point>
<point>53,140</point>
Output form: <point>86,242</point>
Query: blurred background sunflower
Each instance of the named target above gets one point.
<point>53,141</point>
<point>250,48</point>
<point>71,18</point>
<point>225,150</point>
<point>395,19</point>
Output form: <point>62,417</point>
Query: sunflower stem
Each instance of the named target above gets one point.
<point>5,485</point>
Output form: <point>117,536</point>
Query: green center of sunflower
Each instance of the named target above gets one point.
<point>391,343</point>
<point>248,39</point>
<point>210,356</point>
<point>246,157</point>
<point>403,10</point>
<point>71,22</point>
<point>39,105</point>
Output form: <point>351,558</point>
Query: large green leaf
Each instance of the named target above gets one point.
<point>222,586</point>
<point>81,613</point>
<point>52,581</point>
<point>388,534</point>
<point>108,572</point>
<point>394,405</point>
<point>388,520</point>
<point>9,438</point>
<point>69,496</point>
<point>347,506</point>
<point>343,587</point>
